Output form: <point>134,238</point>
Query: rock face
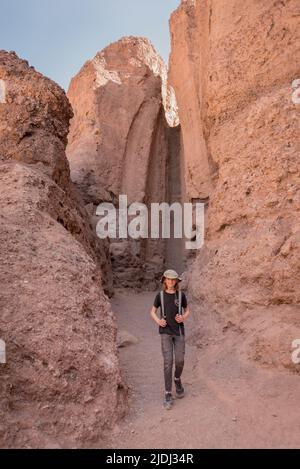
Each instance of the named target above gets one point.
<point>232,67</point>
<point>61,384</point>
<point>119,142</point>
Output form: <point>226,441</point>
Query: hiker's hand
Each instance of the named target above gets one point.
<point>162,322</point>
<point>179,318</point>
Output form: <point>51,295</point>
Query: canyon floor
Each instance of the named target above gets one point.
<point>229,403</point>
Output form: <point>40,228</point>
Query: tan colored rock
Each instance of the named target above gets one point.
<point>56,321</point>
<point>119,140</point>
<point>232,67</point>
<point>34,121</point>
<point>33,130</point>
<point>117,102</point>
<point>188,40</point>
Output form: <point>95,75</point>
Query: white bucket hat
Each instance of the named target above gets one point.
<point>170,274</point>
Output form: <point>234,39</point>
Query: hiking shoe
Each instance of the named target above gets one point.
<point>168,401</point>
<point>179,388</point>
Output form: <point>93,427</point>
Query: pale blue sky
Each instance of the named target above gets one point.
<point>58,36</point>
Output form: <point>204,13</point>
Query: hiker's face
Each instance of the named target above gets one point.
<point>171,282</point>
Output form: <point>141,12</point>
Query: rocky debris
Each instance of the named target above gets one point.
<point>56,321</point>
<point>124,339</point>
<point>119,139</point>
<point>232,67</point>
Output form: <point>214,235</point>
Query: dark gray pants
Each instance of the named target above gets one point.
<point>172,344</point>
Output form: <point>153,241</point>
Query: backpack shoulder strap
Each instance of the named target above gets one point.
<point>162,305</point>
<point>180,302</point>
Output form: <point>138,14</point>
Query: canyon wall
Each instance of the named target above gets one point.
<point>119,143</point>
<point>232,66</point>
<point>61,384</point>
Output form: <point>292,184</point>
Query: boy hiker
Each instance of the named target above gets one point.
<point>171,301</point>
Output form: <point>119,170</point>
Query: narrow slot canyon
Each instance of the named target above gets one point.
<point>176,255</point>
<point>217,126</point>
<point>125,139</point>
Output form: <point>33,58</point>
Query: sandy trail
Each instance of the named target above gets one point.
<point>228,404</point>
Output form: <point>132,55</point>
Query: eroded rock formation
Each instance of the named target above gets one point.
<point>232,66</point>
<point>119,142</point>
<point>61,385</point>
